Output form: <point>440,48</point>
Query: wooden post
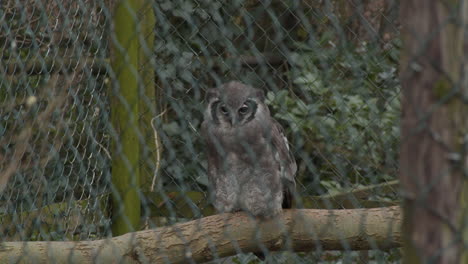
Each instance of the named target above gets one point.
<point>124,101</point>
<point>434,125</point>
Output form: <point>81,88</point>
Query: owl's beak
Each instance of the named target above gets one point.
<point>233,120</point>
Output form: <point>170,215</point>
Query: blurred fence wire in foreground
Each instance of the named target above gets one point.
<point>101,103</point>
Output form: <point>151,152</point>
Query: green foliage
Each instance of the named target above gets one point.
<point>343,114</point>
<point>338,102</point>
<point>188,64</point>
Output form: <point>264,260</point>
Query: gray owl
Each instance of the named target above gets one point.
<point>250,167</point>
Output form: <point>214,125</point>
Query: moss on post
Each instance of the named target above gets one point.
<point>124,102</point>
<point>147,94</point>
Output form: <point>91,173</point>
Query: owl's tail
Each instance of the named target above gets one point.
<point>288,194</point>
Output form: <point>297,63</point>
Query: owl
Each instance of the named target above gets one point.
<point>250,166</point>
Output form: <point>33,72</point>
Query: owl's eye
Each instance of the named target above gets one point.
<point>244,109</point>
<point>224,110</point>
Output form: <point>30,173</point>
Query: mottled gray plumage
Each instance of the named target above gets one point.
<point>250,166</point>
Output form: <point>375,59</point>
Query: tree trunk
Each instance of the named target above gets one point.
<point>224,235</point>
<point>433,128</point>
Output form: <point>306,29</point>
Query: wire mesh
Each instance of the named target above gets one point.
<point>53,120</point>
<point>329,71</point>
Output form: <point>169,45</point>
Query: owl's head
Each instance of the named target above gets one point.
<point>235,104</point>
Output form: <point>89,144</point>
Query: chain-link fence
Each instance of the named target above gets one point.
<point>102,104</point>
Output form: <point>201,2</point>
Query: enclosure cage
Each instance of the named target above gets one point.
<point>102,101</point>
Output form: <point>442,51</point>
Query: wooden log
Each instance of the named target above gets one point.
<point>224,235</point>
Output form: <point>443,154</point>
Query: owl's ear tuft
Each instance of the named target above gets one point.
<point>260,95</point>
<point>211,93</point>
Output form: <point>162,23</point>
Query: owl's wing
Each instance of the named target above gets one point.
<point>211,153</point>
<point>287,164</point>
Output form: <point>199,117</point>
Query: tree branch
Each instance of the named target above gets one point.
<point>56,213</point>
<point>224,235</point>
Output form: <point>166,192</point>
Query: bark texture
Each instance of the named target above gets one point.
<point>224,235</point>
<point>433,127</point>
